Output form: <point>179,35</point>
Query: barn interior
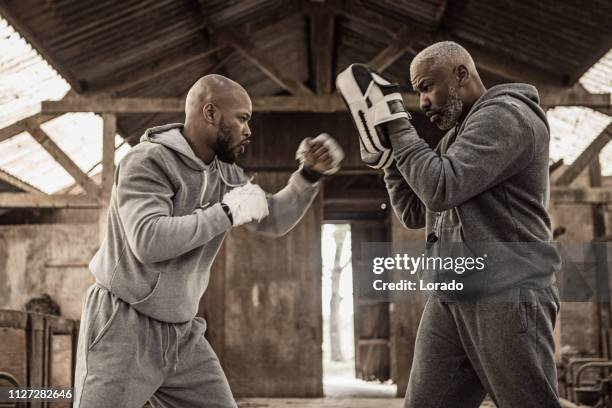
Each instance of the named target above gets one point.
<point>82,80</point>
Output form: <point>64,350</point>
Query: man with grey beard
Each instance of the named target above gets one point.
<point>485,185</point>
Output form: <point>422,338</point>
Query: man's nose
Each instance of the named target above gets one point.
<point>424,102</point>
<point>247,130</point>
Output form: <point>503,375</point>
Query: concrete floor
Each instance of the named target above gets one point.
<point>326,403</point>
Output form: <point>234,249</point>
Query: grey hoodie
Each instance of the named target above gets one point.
<point>165,224</point>
<point>485,185</point>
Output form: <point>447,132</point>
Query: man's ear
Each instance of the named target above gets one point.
<point>210,112</point>
<point>462,74</point>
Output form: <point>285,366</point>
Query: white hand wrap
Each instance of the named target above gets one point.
<point>333,149</point>
<point>247,203</point>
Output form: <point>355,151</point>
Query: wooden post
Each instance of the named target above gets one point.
<point>602,277</point>
<point>109,131</point>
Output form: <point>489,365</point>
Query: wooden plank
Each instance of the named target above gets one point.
<point>21,125</point>
<point>304,103</point>
<point>109,131</point>
<point>320,403</point>
<point>585,157</point>
<point>62,158</point>
<point>259,290</point>
<point>263,61</point>
<point>28,200</point>
<point>322,51</point>
<point>163,66</point>
<point>114,105</point>
<point>581,195</point>
<point>573,96</point>
<point>18,183</point>
<point>392,52</point>
<point>314,103</point>
<point>505,67</point>
<point>14,319</point>
<point>39,45</point>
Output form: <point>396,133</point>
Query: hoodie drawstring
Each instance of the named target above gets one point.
<point>169,345</point>
<point>222,177</point>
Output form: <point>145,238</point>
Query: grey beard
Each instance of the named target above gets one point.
<point>451,112</point>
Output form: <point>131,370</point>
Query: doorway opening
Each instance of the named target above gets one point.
<point>343,342</point>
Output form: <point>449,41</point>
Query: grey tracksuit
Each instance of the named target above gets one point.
<point>139,334</point>
<point>485,185</point>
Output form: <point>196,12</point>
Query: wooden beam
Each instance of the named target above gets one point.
<point>585,158</point>
<point>262,60</point>
<point>168,63</point>
<point>503,66</point>
<point>392,52</point>
<point>322,52</point>
<point>114,105</point>
<point>18,183</point>
<point>573,96</point>
<point>580,195</point>
<point>109,130</point>
<point>66,162</point>
<point>39,45</point>
<point>306,103</point>
<point>28,200</point>
<point>21,125</point>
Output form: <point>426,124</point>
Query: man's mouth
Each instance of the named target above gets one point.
<point>433,116</point>
<point>243,146</point>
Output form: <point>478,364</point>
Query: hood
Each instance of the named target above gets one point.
<point>528,94</point>
<point>172,137</point>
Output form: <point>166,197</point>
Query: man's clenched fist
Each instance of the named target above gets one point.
<point>247,203</point>
<point>322,154</point>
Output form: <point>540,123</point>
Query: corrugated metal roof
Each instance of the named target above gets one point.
<point>572,129</point>
<point>27,79</point>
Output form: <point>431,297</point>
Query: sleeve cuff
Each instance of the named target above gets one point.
<point>312,176</point>
<point>301,183</point>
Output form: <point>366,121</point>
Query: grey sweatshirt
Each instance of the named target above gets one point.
<point>485,185</point>
<point>165,223</point>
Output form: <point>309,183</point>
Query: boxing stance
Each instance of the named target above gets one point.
<point>175,196</point>
<point>485,185</point>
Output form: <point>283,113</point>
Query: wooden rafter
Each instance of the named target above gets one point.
<point>38,44</point>
<point>163,66</point>
<point>62,158</point>
<point>585,158</point>
<point>581,195</point>
<point>309,103</point>
<point>322,52</point>
<point>109,130</point>
<point>22,125</point>
<point>505,67</point>
<point>29,200</point>
<point>262,60</point>
<point>392,52</point>
<point>18,183</point>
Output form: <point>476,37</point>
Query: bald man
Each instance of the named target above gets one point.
<point>175,196</point>
<point>482,192</point>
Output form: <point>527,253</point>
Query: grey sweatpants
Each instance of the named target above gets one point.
<point>125,358</point>
<point>502,346</point>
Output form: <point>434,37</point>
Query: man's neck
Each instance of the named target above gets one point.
<point>478,91</point>
<point>201,150</point>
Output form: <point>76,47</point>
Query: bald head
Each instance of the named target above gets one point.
<point>217,114</point>
<point>215,89</point>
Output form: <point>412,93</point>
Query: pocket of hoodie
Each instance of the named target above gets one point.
<point>102,321</point>
<point>525,308</point>
<point>150,294</point>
